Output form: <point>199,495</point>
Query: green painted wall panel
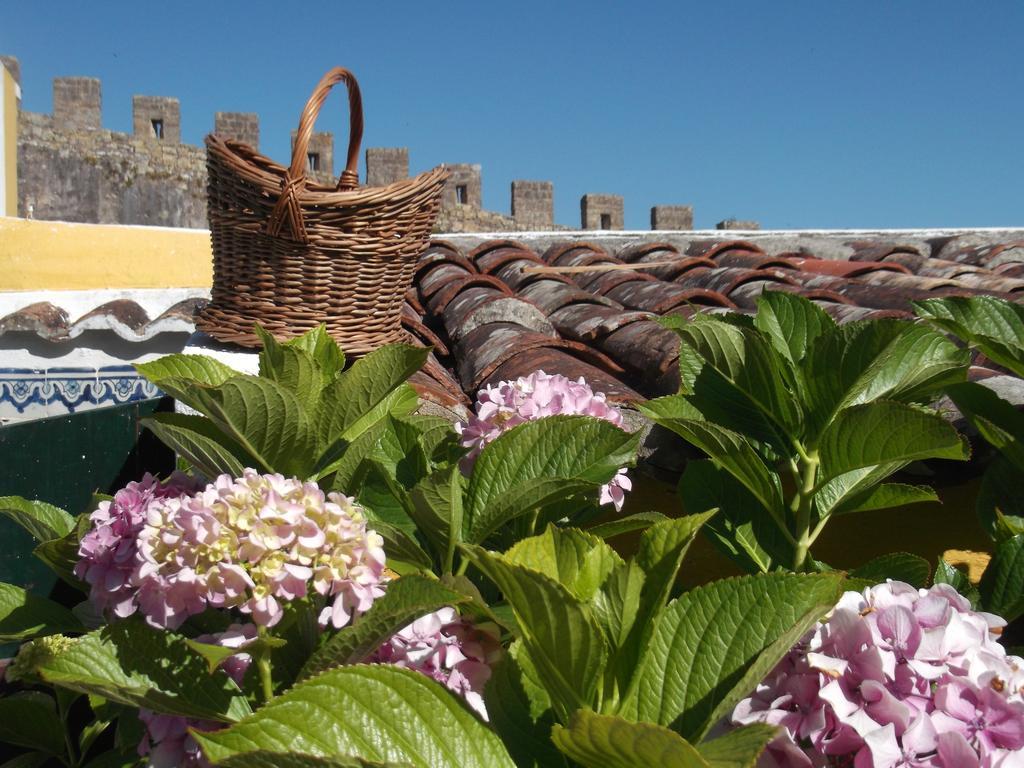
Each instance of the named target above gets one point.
<point>64,460</point>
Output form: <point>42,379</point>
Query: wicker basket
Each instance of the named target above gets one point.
<point>290,254</point>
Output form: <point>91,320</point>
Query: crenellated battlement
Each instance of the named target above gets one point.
<point>70,168</point>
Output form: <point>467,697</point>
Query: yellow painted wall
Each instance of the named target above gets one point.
<point>52,255</point>
<point>9,143</point>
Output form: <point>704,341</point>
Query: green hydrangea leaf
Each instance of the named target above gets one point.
<point>577,560</point>
<point>437,510</point>
<point>24,615</point>
<point>197,440</point>
<point>360,389</point>
<point>1000,505</point>
<point>42,521</point>
<point>200,369</point>
<point>914,366</point>
<point>1002,585</point>
<point>402,548</point>
<point>866,361</point>
<point>706,640</point>
<point>998,421</point>
<point>61,555</point>
<point>558,631</point>
<point>400,402</point>
<point>730,450</point>
<point>131,663</point>
<point>293,367</point>
<point>792,323</point>
<point>605,741</point>
<point>264,418</point>
<point>884,432</point>
<point>29,719</point>
<point>373,712</point>
<point>995,326</point>
<point>265,759</point>
<point>740,383</point>
<point>957,579</point>
<point>324,350</point>
<point>901,566</point>
<point>741,529</point>
<point>739,748</point>
<point>539,463</point>
<point>617,603</point>
<point>637,522</point>
<point>510,710</point>
<point>27,760</point>
<point>886,496</point>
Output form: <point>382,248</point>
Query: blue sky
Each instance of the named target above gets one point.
<point>798,114</point>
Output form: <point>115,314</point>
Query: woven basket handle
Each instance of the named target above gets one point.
<point>350,176</point>
<point>287,207</point>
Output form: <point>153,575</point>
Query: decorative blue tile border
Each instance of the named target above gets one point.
<point>121,384</point>
<point>27,393</point>
<point>22,390</point>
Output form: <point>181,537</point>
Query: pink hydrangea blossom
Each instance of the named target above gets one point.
<point>166,741</point>
<point>454,651</point>
<point>252,543</point>
<point>508,404</point>
<point>895,676</point>
<point>107,551</point>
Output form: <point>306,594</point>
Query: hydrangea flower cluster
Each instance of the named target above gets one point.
<point>895,676</point>
<point>508,404</point>
<point>252,542</point>
<point>166,740</point>
<point>108,550</point>
<point>457,653</point>
<point>170,551</point>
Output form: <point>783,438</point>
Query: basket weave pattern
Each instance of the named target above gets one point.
<point>291,254</point>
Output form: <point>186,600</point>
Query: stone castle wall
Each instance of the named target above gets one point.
<point>466,218</point>
<point>107,177</point>
<point>72,169</point>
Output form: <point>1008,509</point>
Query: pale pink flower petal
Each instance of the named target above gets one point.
<point>107,551</point>
<point>456,652</point>
<point>895,676</point>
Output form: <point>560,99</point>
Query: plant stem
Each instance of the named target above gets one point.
<point>63,715</point>
<point>534,517</point>
<point>807,473</point>
<point>264,667</point>
<point>818,529</point>
<point>449,558</point>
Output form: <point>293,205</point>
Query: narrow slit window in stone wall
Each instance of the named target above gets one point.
<point>313,161</point>
<point>461,194</point>
<point>606,221</point>
<point>158,128</point>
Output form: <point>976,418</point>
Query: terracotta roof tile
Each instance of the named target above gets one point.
<point>124,317</point>
<point>480,352</point>
<point>711,249</point>
<point>836,268</point>
<point>748,260</point>
<point>602,282</point>
<point>875,251</point>
<point>607,302</point>
<point>502,308</point>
